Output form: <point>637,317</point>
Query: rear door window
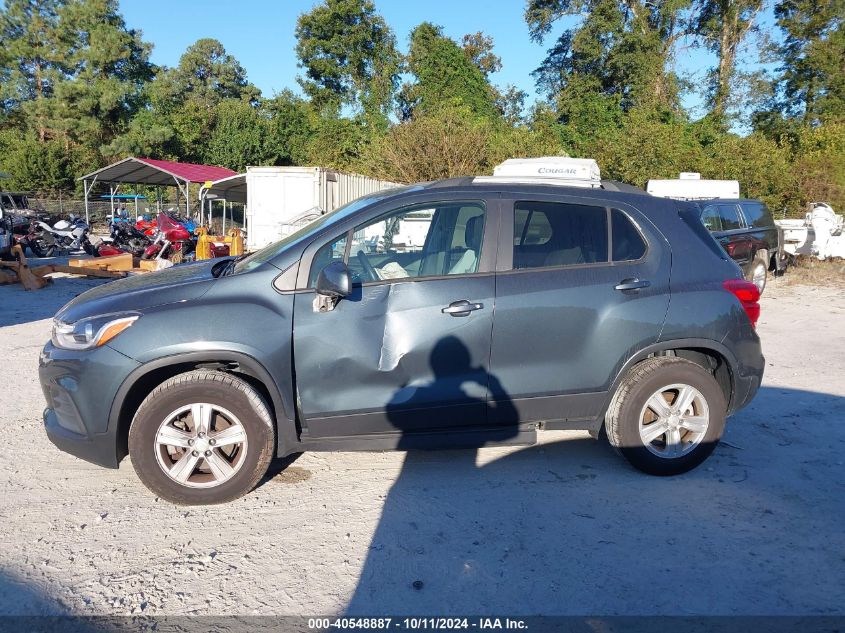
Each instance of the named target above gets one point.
<point>756,214</point>
<point>553,234</point>
<point>729,215</point>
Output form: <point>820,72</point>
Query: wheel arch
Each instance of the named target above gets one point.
<point>709,354</point>
<point>142,380</point>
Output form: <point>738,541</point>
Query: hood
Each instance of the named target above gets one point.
<point>180,283</point>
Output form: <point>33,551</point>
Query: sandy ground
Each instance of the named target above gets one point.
<point>565,527</point>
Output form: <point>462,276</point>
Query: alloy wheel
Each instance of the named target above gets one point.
<point>674,420</point>
<point>201,445</point>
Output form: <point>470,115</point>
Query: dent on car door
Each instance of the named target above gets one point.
<point>408,351</point>
<point>573,301</point>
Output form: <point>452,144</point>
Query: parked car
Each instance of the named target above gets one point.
<point>747,232</point>
<point>743,227</point>
<point>533,303</point>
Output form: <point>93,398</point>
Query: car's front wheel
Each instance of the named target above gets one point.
<point>202,437</point>
<point>667,416</point>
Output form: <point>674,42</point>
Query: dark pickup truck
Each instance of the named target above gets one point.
<point>747,232</point>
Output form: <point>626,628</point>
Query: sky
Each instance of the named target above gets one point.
<point>260,34</point>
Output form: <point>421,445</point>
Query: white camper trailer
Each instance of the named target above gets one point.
<point>690,186</point>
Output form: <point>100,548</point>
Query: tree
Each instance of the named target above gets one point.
<point>148,134</point>
<point>812,81</point>
<point>818,162</point>
<point>292,123</point>
<point>44,167</point>
<point>108,67</point>
<point>436,144</point>
<point>340,143</point>
<point>479,48</point>
<point>78,72</point>
<point>34,58</point>
<point>349,55</point>
<point>724,26</point>
<point>206,75</point>
<point>239,137</point>
<point>619,51</point>
<point>510,103</point>
<point>444,76</point>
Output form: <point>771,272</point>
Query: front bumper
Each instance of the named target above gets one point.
<point>79,388</point>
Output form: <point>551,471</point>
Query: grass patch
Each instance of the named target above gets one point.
<point>809,271</point>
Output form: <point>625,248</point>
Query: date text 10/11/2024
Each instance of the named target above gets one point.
<point>431,623</point>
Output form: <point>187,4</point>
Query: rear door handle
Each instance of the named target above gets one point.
<point>461,308</point>
<point>632,284</point>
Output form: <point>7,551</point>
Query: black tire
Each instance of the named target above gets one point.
<point>645,379</point>
<point>39,250</point>
<point>759,267</point>
<point>216,388</point>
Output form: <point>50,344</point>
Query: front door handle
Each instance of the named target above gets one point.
<point>461,308</point>
<point>632,284</point>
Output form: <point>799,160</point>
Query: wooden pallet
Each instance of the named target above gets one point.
<point>123,262</point>
<point>36,278</point>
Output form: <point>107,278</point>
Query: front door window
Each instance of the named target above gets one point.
<point>430,240</point>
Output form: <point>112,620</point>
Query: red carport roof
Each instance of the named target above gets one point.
<point>151,171</point>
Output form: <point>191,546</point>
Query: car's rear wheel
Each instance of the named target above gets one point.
<point>667,416</point>
<point>758,272</point>
<point>202,437</point>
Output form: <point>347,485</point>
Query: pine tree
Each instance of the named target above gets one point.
<point>812,83</point>
<point>349,56</point>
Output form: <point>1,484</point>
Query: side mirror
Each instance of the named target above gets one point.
<point>334,281</point>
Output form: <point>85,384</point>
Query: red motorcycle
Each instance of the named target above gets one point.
<point>147,227</point>
<point>172,240</point>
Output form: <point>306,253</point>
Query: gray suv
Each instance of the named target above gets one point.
<point>460,313</point>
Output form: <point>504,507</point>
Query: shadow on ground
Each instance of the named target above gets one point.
<point>569,528</point>
<point>20,599</point>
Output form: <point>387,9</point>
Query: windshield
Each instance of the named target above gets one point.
<point>272,251</point>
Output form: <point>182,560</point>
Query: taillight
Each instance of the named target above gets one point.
<point>748,296</point>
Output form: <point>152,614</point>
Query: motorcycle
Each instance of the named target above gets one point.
<point>172,240</point>
<point>65,235</point>
<point>146,225</point>
<point>126,237</point>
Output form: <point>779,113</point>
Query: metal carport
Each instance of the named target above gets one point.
<point>231,189</point>
<point>151,171</point>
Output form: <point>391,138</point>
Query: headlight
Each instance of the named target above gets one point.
<point>92,331</point>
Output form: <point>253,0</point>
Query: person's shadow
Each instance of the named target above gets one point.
<point>416,520</point>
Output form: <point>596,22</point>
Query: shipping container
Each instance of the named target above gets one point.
<point>282,199</point>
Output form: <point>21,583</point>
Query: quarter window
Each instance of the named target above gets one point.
<point>558,234</point>
<point>628,244</point>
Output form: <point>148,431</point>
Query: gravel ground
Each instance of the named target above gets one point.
<point>564,527</point>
